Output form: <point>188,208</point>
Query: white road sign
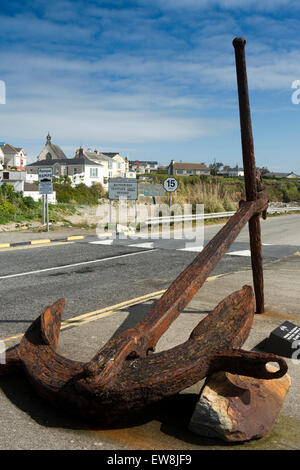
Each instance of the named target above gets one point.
<point>45,181</point>
<point>170,184</point>
<point>123,188</point>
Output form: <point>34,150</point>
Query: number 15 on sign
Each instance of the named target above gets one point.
<point>170,185</point>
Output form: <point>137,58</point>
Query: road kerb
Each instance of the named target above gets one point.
<point>41,241</point>
<point>76,237</point>
<point>4,245</point>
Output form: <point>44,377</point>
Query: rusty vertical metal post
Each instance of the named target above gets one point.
<point>249,170</point>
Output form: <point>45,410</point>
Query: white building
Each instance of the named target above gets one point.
<point>114,166</point>
<point>79,170</point>
<point>141,167</point>
<point>18,179</point>
<point>188,169</point>
<point>12,157</point>
<point>234,172</point>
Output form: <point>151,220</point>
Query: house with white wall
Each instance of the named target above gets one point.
<point>19,181</point>
<point>114,166</point>
<point>234,172</point>
<point>188,169</point>
<point>79,170</point>
<point>141,167</point>
<point>12,157</point>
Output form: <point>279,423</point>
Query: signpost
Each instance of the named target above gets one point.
<point>122,189</point>
<point>170,185</point>
<point>45,188</point>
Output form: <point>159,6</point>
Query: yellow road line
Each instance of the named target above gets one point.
<point>37,242</point>
<point>4,245</point>
<point>103,312</point>
<point>113,308</point>
<point>25,247</point>
<point>76,237</point>
<point>107,311</point>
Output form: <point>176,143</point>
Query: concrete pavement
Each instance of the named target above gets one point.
<point>27,422</point>
<point>87,275</point>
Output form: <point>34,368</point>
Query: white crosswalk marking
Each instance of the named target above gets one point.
<point>239,253</point>
<point>191,248</point>
<point>102,242</point>
<point>142,245</point>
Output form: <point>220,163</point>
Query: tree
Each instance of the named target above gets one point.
<point>215,167</point>
<point>263,171</point>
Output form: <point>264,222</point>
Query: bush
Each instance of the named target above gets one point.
<point>29,202</point>
<point>15,207</point>
<point>81,194</point>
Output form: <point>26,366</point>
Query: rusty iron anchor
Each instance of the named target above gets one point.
<point>127,374</point>
<point>123,377</point>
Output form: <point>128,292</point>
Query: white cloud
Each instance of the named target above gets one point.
<point>259,5</point>
<point>100,76</point>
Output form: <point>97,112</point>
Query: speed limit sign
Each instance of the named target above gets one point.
<point>170,184</point>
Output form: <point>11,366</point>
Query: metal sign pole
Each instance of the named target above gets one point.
<point>43,208</point>
<point>45,188</point>
<point>47,212</point>
<point>136,209</point>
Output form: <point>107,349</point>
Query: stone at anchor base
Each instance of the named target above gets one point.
<point>237,408</point>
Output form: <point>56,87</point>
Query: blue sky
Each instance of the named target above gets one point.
<point>152,79</point>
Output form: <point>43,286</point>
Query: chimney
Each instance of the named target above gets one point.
<point>79,153</point>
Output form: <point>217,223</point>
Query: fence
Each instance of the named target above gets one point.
<point>213,215</point>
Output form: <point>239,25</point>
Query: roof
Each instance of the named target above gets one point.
<point>89,155</point>
<point>57,150</point>
<point>190,166</point>
<point>65,161</point>
<point>110,154</point>
<point>8,149</point>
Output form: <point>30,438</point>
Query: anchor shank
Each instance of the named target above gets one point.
<point>185,286</point>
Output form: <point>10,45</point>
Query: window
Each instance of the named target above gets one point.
<point>179,172</point>
<point>110,164</point>
<point>119,166</point>
<point>93,172</point>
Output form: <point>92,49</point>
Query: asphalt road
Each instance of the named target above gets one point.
<point>92,276</point>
